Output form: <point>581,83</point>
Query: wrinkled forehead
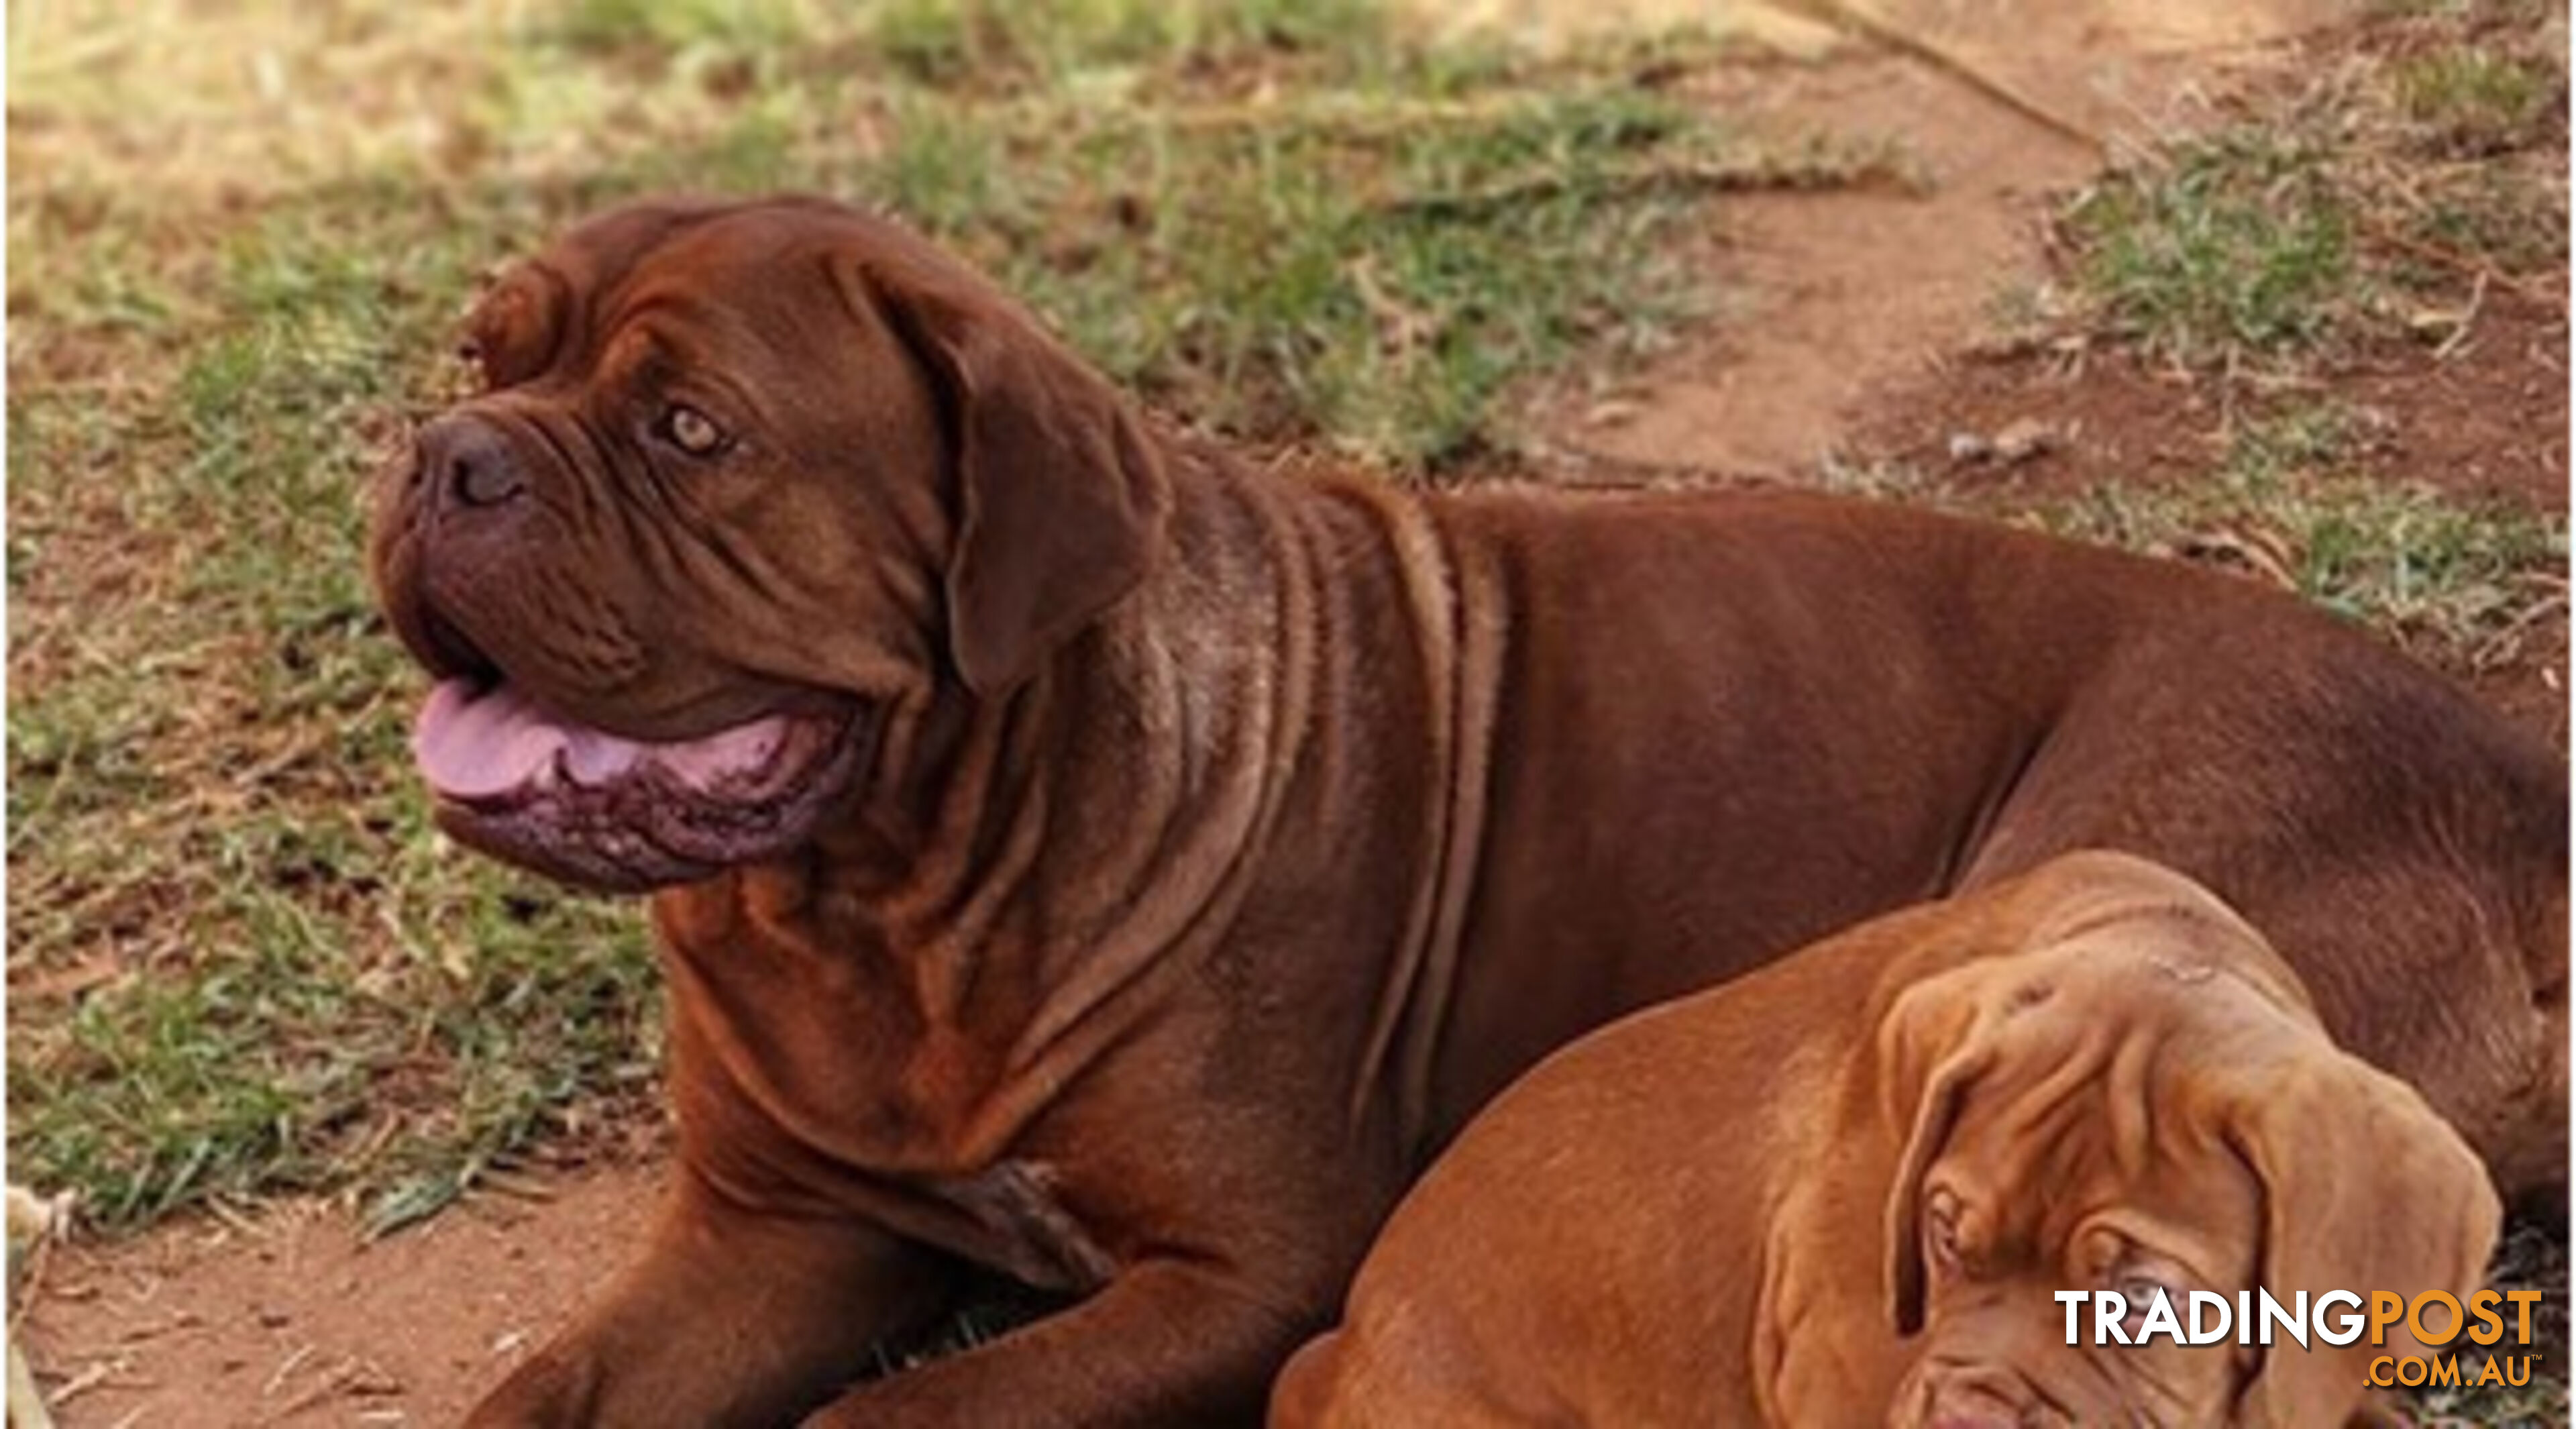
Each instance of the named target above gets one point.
<point>2115,1101</point>
<point>723,245</point>
<point>2058,1156</point>
<point>725,272</point>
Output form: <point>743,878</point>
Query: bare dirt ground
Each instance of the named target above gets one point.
<point>1852,292</point>
<point>292,1320</point>
<point>1867,329</point>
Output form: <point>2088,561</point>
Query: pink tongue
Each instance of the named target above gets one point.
<point>473,746</point>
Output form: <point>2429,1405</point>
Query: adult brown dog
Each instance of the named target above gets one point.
<point>1089,856</point>
<point>1844,1189</point>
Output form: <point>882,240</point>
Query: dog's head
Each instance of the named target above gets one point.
<point>2144,1102</point>
<point>740,478</point>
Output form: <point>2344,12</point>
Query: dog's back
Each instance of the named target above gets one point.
<point>1813,710</point>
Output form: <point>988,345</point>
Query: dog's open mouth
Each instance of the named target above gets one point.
<point>624,815</point>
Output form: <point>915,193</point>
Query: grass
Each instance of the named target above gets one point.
<point>2475,99</point>
<point>241,962</point>
<point>2295,501</point>
<point>2391,187</point>
<point>2234,246</point>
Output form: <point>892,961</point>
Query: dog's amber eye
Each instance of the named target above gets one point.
<point>692,431</point>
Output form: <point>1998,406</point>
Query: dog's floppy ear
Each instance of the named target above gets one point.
<point>1933,1044</point>
<point>1937,1113</point>
<point>1061,495</point>
<point>2364,1189</point>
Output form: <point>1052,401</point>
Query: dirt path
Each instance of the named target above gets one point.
<point>292,1320</point>
<point>1850,296</point>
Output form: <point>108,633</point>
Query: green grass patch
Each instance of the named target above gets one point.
<point>2477,99</point>
<point>2454,581</point>
<point>2385,187</point>
<point>2235,245</point>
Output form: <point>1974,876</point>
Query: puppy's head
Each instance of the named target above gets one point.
<point>740,479</point>
<point>2142,1101</point>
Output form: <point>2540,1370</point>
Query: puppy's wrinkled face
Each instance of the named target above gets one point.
<point>679,553</point>
<point>2085,1151</point>
<point>2142,1100</point>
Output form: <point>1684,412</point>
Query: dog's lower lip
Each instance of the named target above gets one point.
<point>655,828</point>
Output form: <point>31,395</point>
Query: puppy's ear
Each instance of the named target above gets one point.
<point>1061,495</point>
<point>2364,1188</point>
<point>1932,1047</point>
<point>1938,1113</point>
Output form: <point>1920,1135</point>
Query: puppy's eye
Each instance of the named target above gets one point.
<point>692,431</point>
<point>2139,1290</point>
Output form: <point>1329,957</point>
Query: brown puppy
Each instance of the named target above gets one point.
<point>1843,1190</point>
<point>1085,856</point>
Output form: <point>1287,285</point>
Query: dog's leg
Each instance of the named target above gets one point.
<point>1168,1342</point>
<point>729,1319</point>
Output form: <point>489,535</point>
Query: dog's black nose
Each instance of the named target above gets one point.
<point>471,461</point>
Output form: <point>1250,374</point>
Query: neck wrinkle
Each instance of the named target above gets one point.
<point>1455,608</point>
<point>922,844</point>
<point>990,816</point>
